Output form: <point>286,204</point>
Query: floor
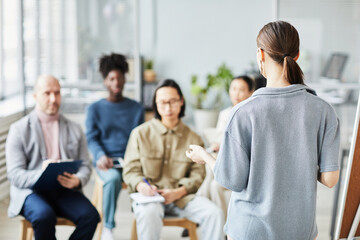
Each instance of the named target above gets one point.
<point>9,228</point>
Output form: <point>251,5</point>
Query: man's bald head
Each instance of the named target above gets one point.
<point>42,79</point>
<point>47,94</point>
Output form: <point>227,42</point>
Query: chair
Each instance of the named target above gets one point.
<point>172,221</point>
<point>27,232</point>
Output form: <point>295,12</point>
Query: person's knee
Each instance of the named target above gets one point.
<point>113,177</point>
<point>89,217</point>
<point>150,211</point>
<point>93,216</point>
<point>43,217</point>
<point>215,212</point>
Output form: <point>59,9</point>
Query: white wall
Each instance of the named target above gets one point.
<point>327,26</point>
<point>194,37</point>
<point>104,26</point>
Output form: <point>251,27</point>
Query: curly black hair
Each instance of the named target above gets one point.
<point>112,62</point>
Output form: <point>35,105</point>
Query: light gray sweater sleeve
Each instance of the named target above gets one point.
<point>232,165</point>
<point>84,172</point>
<point>16,161</point>
<point>329,153</point>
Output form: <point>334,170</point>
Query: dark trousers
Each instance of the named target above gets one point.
<point>42,208</point>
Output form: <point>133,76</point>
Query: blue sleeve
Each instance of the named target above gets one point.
<point>329,153</point>
<point>232,164</point>
<point>93,134</point>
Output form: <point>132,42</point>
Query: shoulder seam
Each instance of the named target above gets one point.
<point>241,146</point>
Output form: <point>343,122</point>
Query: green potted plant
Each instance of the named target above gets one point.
<point>149,73</point>
<point>206,111</point>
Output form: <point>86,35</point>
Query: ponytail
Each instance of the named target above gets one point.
<point>281,41</point>
<point>291,71</point>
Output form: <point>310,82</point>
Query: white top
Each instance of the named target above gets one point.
<point>221,123</point>
<point>215,135</point>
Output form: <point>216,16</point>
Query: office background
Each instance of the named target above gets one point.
<point>182,37</point>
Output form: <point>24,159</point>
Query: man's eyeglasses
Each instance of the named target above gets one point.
<point>172,103</point>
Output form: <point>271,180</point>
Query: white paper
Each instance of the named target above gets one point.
<point>118,162</point>
<point>139,198</point>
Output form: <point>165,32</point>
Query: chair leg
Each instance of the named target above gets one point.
<point>99,229</point>
<point>97,201</point>
<point>26,231</point>
<point>29,233</point>
<point>133,231</point>
<point>192,231</point>
<point>22,231</point>
<point>191,227</point>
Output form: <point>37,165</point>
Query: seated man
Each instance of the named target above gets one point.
<point>42,137</point>
<point>156,153</point>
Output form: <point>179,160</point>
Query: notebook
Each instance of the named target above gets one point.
<point>140,198</point>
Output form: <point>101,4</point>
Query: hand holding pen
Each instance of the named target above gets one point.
<point>146,188</point>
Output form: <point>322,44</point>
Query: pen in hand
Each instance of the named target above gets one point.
<point>146,181</point>
<point>151,191</point>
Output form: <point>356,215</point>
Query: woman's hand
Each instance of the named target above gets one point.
<point>215,147</point>
<point>197,154</point>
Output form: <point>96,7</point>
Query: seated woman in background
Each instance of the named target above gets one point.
<point>156,153</point>
<point>240,89</point>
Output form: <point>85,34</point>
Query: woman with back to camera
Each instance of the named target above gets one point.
<point>277,144</point>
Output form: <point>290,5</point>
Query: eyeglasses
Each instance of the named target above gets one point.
<point>172,103</point>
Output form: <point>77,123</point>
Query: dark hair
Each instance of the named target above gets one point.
<point>168,83</point>
<point>260,81</point>
<point>112,62</point>
<point>281,41</point>
<point>247,79</point>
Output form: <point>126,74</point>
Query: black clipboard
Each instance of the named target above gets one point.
<point>48,179</point>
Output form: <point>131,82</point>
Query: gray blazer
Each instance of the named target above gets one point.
<point>26,150</point>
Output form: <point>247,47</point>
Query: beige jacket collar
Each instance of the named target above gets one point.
<point>160,127</point>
